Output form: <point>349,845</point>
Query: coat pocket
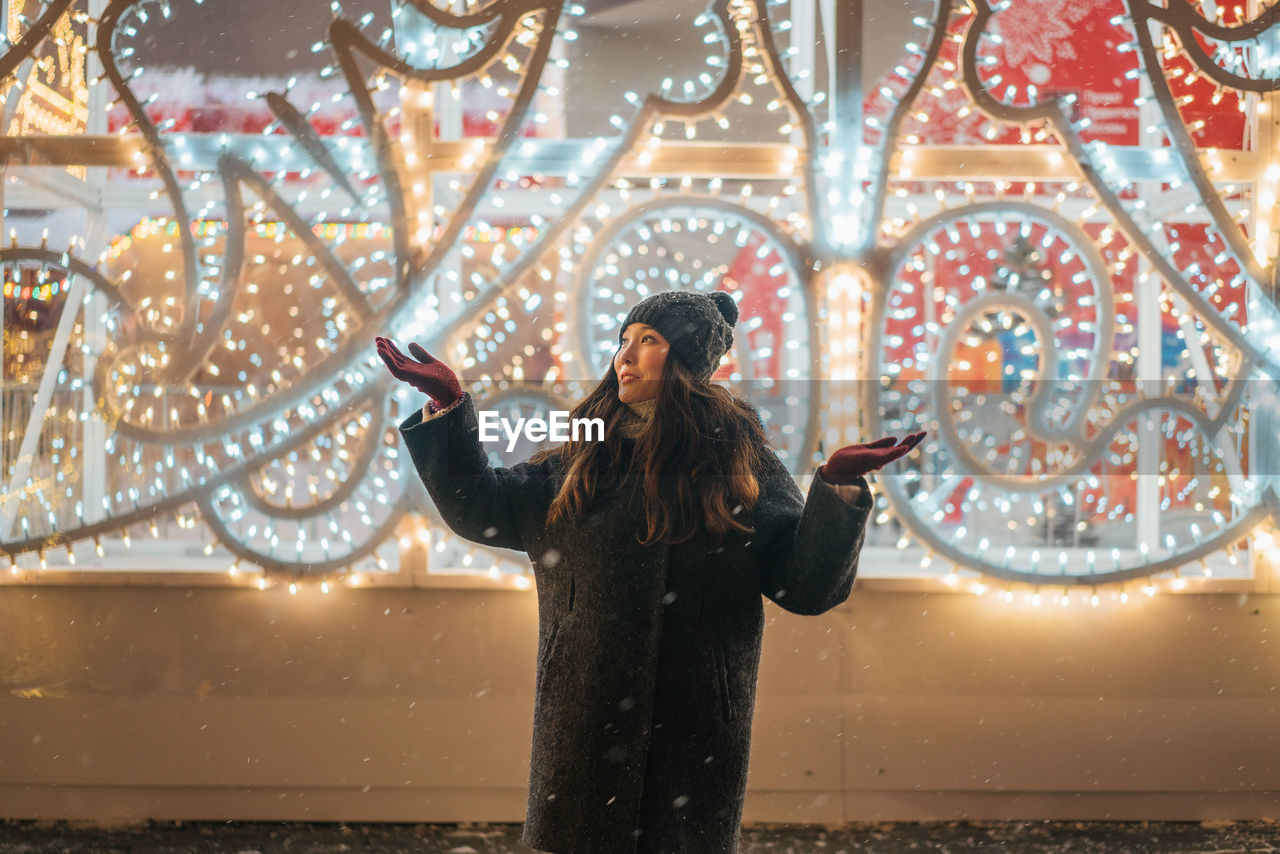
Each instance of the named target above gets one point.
<point>722,682</point>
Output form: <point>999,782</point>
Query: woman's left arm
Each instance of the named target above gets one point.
<point>811,547</point>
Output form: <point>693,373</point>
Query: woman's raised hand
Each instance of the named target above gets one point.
<point>851,462</point>
<point>424,372</point>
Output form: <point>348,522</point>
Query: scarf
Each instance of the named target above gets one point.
<point>643,412</point>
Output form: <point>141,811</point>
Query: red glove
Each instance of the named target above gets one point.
<point>849,463</point>
<point>428,375</point>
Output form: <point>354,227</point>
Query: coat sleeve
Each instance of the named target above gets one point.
<point>486,505</point>
<point>810,547</point>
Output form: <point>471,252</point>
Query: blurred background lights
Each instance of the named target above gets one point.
<point>1062,277</point>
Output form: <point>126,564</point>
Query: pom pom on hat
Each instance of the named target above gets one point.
<point>728,308</point>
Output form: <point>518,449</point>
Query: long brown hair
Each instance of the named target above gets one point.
<point>695,460</point>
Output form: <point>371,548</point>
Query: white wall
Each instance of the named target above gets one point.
<point>415,705</point>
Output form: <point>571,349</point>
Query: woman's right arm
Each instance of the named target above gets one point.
<point>478,502</point>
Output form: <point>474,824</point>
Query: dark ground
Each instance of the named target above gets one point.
<point>24,837</point>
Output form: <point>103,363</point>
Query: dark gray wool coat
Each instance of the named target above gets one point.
<point>647,656</point>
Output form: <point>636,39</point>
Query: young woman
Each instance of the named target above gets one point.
<point>651,550</point>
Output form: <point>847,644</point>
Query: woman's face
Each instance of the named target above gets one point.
<point>638,363</point>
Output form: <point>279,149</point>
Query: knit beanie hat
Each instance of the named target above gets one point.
<point>698,326</point>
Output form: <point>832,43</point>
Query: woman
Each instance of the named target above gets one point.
<point>650,552</point>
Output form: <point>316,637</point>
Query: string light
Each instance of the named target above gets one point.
<point>331,273</point>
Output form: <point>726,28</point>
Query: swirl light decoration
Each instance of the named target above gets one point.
<point>1088,330</point>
